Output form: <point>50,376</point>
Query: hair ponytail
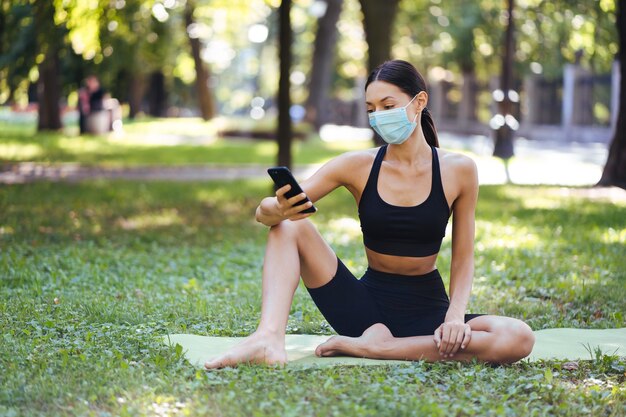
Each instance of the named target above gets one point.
<point>428,127</point>
<point>403,75</point>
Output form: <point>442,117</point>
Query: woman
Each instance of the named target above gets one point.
<point>405,192</point>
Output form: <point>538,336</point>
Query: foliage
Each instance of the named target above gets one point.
<point>457,35</point>
<point>116,39</point>
<point>94,274</point>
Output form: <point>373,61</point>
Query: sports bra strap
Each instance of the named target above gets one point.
<point>378,162</point>
<point>436,182</point>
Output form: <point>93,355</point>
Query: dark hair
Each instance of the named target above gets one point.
<point>403,75</point>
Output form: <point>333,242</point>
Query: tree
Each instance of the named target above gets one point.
<point>50,42</point>
<point>615,169</point>
<point>504,134</point>
<point>284,99</point>
<point>205,101</point>
<point>323,57</point>
<point>18,47</point>
<point>378,18</point>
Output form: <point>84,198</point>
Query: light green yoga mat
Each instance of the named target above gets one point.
<point>563,343</point>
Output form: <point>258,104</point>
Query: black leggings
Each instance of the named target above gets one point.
<point>407,305</point>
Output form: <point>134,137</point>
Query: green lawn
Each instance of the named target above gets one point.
<point>158,142</point>
<point>94,274</point>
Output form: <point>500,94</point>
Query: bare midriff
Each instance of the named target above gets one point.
<point>402,265</point>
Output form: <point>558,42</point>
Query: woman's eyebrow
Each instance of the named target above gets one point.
<point>383,99</point>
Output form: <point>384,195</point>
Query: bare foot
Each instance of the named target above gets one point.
<point>366,346</point>
<point>255,349</point>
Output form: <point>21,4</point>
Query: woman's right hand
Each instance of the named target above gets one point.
<point>287,208</point>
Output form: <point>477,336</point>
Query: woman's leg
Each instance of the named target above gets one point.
<point>294,249</point>
<point>495,339</point>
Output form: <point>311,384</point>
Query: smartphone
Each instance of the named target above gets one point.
<point>281,177</point>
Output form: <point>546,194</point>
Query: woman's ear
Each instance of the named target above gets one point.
<point>422,100</point>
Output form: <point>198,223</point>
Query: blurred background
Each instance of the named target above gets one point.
<point>542,75</point>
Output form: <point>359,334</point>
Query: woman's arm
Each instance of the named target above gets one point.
<point>336,172</point>
<point>454,333</point>
<point>463,227</point>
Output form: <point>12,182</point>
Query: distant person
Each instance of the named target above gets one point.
<point>405,191</point>
<point>90,99</point>
<point>98,112</point>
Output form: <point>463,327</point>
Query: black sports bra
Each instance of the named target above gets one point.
<point>403,231</point>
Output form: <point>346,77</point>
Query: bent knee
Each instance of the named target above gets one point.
<point>516,342</point>
<point>525,338</point>
<point>290,228</point>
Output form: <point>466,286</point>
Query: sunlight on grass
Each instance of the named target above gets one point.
<point>20,151</point>
<point>538,202</point>
<point>613,236</point>
<point>342,231</point>
<point>83,144</point>
<point>267,149</point>
<point>183,126</point>
<point>166,217</point>
<point>505,236</point>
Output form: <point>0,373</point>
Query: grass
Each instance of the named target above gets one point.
<point>157,142</point>
<point>94,274</point>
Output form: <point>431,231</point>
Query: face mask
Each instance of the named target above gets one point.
<point>393,125</point>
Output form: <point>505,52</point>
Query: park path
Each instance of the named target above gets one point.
<point>553,163</point>
<point>24,172</point>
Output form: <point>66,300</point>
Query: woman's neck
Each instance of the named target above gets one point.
<point>414,151</point>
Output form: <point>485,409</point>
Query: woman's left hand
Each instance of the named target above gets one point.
<point>451,336</point>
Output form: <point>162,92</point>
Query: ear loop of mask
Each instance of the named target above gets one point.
<point>407,105</point>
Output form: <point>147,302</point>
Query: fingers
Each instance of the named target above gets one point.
<point>280,193</point>
<point>458,338</point>
<point>437,336</point>
<point>467,336</point>
<point>289,207</point>
<point>445,339</point>
<point>450,337</point>
<point>296,199</point>
<point>295,212</point>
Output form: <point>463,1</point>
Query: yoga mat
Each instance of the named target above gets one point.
<point>562,343</point>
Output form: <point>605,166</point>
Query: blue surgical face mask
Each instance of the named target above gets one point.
<point>393,125</point>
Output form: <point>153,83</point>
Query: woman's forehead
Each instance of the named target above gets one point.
<point>379,90</point>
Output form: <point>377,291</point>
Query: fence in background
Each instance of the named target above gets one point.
<point>577,107</point>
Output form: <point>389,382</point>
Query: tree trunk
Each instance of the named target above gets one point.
<point>136,89</point>
<point>49,92</point>
<point>284,98</point>
<point>468,105</point>
<point>4,8</point>
<point>504,135</point>
<point>157,95</point>
<point>321,70</point>
<point>615,169</point>
<point>205,101</point>
<point>48,88</point>
<point>378,18</point>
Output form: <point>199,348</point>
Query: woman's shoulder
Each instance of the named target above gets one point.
<point>460,169</point>
<point>355,158</point>
<point>456,161</point>
<point>349,165</point>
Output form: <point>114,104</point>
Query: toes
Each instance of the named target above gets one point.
<point>329,347</point>
<point>218,363</point>
<point>214,364</point>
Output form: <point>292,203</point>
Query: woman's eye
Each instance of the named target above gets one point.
<point>389,106</point>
